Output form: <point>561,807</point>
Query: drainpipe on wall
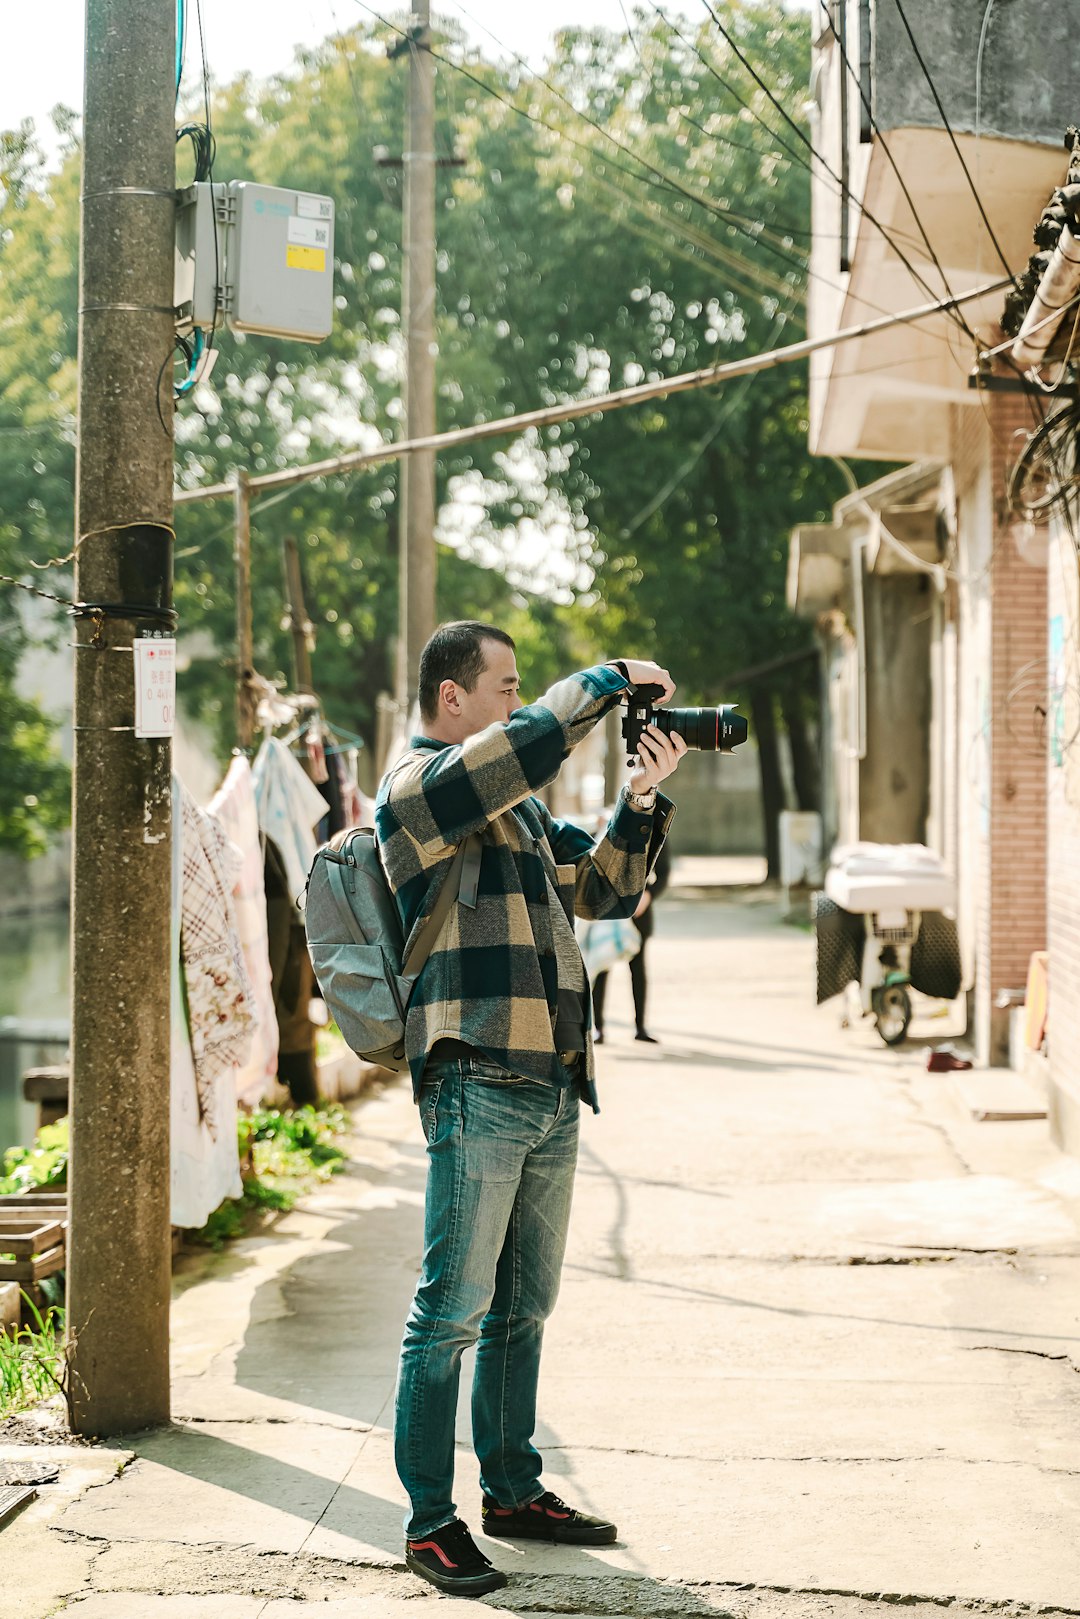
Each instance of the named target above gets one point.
<point>858,546</point>
<point>1057,290</point>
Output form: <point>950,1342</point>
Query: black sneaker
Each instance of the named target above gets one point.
<point>547,1519</point>
<point>450,1559</point>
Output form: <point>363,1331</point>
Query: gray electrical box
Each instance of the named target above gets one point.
<point>260,258</point>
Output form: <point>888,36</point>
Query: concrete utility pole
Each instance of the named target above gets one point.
<point>416,614</point>
<point>300,626</point>
<point>245,627</point>
<point>120,1250</point>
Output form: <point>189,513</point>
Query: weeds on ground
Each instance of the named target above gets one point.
<point>33,1365</point>
<point>284,1153</point>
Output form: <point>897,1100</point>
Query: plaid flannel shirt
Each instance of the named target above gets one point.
<point>491,979</point>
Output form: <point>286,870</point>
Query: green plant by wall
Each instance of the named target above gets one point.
<point>284,1152</point>
<point>44,1164</point>
<point>33,1365</point>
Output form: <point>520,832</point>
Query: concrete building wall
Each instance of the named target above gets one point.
<point>1063,770</point>
<point>1028,66</point>
<point>719,803</point>
<point>894,781</point>
<point>941,820</point>
<point>844,762</point>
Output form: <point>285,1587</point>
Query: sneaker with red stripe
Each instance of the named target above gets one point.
<point>547,1518</point>
<point>450,1559</point>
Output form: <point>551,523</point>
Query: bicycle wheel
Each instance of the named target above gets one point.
<point>892,1013</point>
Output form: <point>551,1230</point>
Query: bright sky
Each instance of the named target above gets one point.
<point>41,44</point>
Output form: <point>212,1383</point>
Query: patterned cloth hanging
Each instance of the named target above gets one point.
<point>221,1001</point>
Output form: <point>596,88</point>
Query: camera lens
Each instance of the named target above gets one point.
<point>711,730</point>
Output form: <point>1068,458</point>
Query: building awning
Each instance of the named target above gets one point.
<point>901,524</point>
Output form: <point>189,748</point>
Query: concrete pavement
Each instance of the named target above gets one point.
<point>817,1348</point>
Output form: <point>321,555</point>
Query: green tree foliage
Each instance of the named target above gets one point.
<point>38,260</point>
<point>627,219</point>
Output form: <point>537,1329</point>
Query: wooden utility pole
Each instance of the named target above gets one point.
<point>300,626</point>
<point>119,1267</point>
<point>245,630</point>
<point>416,613</point>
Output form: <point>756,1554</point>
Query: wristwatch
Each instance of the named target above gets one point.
<point>641,801</point>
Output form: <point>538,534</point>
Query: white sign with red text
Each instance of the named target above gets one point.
<point>155,686</point>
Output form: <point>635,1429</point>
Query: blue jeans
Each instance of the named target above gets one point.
<point>502,1151</point>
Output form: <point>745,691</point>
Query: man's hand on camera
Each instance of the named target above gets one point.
<point>640,672</point>
<point>658,756</point>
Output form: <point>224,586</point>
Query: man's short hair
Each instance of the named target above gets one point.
<point>455,652</point>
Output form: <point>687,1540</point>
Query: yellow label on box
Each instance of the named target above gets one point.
<point>305,258</point>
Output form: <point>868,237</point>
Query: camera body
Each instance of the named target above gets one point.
<point>713,730</point>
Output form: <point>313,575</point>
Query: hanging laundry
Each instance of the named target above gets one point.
<point>204,1168</point>
<point>234,806</point>
<point>221,1001</point>
<point>343,766</point>
<point>316,752</point>
<point>289,807</point>
<point>293,984</point>
<point>331,791</point>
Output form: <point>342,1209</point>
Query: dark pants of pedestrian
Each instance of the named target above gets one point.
<point>638,983</point>
<point>502,1151</point>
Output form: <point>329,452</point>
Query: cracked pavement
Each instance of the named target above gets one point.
<point>816,1349</point>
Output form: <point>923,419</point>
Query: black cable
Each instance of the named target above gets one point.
<point>845,189</point>
<point>849,67</point>
<point>662,182</point>
<point>955,143</point>
<point>729,216</point>
<point>204,146</point>
<point>792,152</point>
<point>166,616</point>
<point>680,112</point>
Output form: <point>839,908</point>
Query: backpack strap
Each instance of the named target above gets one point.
<point>462,879</point>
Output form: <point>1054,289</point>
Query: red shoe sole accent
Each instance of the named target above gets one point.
<point>431,1546</point>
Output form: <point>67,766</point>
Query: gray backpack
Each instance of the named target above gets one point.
<point>356,942</point>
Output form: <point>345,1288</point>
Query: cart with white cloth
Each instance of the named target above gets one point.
<point>887,921</point>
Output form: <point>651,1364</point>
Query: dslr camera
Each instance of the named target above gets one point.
<point>714,730</point>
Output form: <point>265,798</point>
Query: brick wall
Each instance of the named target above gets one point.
<point>1018,845</point>
<point>1002,813</point>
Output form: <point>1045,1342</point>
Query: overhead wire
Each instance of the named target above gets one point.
<point>654,176</point>
<point>797,157</point>
<point>848,67</point>
<point>791,152</point>
<point>726,139</point>
<point>705,244</point>
<point>727,215</point>
<point>802,136</point>
<point>902,14</point>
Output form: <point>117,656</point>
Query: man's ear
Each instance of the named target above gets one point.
<point>448,693</point>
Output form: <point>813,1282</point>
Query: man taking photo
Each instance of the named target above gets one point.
<point>499,1044</point>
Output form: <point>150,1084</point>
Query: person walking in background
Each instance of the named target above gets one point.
<point>644,921</point>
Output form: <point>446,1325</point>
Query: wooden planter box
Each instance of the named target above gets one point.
<point>33,1239</point>
<point>32,1244</point>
